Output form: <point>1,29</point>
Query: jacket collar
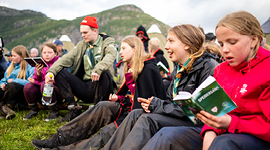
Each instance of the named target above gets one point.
<point>197,65</point>
<point>158,52</point>
<point>245,66</point>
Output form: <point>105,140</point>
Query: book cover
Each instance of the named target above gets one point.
<point>209,96</point>
<point>162,67</point>
<point>36,60</point>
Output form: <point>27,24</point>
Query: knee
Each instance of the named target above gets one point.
<point>136,112</point>
<point>104,104</point>
<point>28,87</point>
<point>220,142</point>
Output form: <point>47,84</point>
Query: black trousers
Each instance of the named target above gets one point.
<point>139,127</point>
<point>76,133</point>
<point>12,94</point>
<point>88,91</point>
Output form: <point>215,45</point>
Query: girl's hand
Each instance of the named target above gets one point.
<point>163,75</point>
<point>49,78</point>
<point>145,103</point>
<point>39,68</point>
<point>9,80</point>
<point>31,80</point>
<point>113,97</point>
<point>129,70</point>
<point>3,86</point>
<point>214,121</point>
<point>209,136</point>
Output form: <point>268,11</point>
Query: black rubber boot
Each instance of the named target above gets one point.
<point>34,111</point>
<point>48,143</point>
<point>54,112</point>
<point>74,111</point>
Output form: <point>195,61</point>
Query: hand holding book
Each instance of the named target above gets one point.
<point>209,96</point>
<point>36,60</point>
<point>222,122</point>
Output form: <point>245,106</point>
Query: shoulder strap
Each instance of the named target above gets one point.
<point>104,36</point>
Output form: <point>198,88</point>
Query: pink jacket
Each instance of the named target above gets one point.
<point>41,78</point>
<point>248,85</point>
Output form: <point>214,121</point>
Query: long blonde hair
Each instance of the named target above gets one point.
<point>137,61</point>
<point>243,23</point>
<point>22,52</point>
<point>192,37</point>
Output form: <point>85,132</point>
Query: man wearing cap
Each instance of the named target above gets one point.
<point>9,57</point>
<point>92,67</point>
<point>59,45</point>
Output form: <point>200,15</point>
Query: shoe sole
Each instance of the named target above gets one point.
<point>36,146</point>
<point>47,120</point>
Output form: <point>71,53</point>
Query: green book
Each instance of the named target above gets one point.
<point>162,67</point>
<point>209,96</point>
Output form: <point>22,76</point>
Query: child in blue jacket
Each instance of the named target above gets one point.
<point>15,77</point>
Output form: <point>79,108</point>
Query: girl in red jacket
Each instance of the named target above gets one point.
<point>246,80</point>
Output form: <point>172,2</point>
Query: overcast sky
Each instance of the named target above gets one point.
<point>205,13</point>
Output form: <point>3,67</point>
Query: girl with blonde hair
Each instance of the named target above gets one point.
<point>185,47</point>
<point>15,78</point>
<point>245,79</point>
<point>142,79</point>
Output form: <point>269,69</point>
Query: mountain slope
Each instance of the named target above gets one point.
<point>31,29</point>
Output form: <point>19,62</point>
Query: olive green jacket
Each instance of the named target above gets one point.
<point>74,58</point>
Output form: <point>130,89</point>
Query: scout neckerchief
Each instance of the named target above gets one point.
<point>180,72</point>
<point>89,53</point>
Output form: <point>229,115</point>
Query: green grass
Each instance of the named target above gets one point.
<point>18,133</point>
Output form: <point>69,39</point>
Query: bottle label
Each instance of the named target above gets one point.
<point>48,91</point>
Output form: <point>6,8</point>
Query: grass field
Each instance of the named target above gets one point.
<point>18,134</point>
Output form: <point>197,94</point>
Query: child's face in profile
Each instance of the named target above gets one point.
<point>16,58</point>
<point>235,48</point>
<point>48,54</point>
<point>126,52</point>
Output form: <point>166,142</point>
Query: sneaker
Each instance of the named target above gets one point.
<point>73,113</point>
<point>48,143</point>
<point>2,117</point>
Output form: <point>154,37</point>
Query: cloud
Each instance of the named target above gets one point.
<point>205,13</point>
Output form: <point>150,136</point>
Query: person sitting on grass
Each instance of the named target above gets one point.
<point>245,79</point>
<point>142,79</point>
<point>15,77</point>
<point>33,90</point>
<point>91,78</point>
<point>185,47</point>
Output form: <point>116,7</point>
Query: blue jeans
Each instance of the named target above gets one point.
<point>187,138</point>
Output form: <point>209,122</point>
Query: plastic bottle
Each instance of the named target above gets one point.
<point>47,93</point>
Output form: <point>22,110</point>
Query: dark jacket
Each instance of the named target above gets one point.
<point>3,66</point>
<point>148,84</point>
<point>145,39</point>
<point>159,57</point>
<point>202,68</point>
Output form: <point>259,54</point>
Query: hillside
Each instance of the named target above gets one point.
<point>31,28</point>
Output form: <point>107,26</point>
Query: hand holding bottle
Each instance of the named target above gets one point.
<point>49,78</point>
<point>47,91</point>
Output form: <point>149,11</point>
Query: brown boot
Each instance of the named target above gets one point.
<point>2,117</point>
<point>9,113</point>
